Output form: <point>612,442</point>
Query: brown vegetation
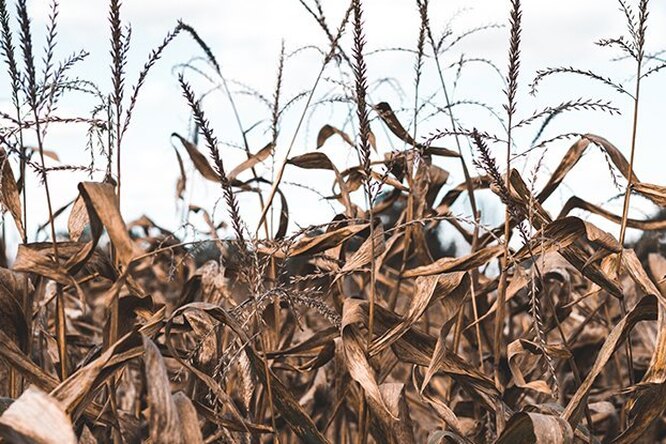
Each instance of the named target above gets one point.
<point>357,330</point>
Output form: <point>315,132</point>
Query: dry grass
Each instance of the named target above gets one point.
<point>359,329</point>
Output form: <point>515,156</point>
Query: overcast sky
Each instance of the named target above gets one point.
<point>246,37</point>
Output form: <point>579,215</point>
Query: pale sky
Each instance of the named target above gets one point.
<point>246,37</point>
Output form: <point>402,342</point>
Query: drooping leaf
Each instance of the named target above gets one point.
<point>36,418</point>
<point>536,428</point>
<point>198,159</point>
<point>9,193</point>
<point>253,160</point>
<point>327,131</point>
<point>163,421</point>
<point>101,199</point>
<point>385,112</point>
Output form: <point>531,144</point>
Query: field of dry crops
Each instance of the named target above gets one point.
<point>361,329</point>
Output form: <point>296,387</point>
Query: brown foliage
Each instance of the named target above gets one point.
<point>356,329</point>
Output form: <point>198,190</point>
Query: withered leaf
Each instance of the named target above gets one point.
<point>285,403</point>
<point>327,131</point>
<point>536,428</point>
<point>188,418</point>
<point>385,112</point>
<point>78,219</point>
<point>163,421</point>
<point>36,418</point>
<point>393,430</point>
<point>656,193</point>
<point>182,178</point>
<point>355,356</point>
<point>253,160</point>
<point>449,264</point>
<point>323,242</point>
<point>646,309</point>
<point>9,194</point>
<point>101,199</point>
<point>313,160</point>
<point>198,159</point>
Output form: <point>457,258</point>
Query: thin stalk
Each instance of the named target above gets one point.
<point>8,49</point>
<point>119,46</point>
<point>7,45</point>
<point>283,165</point>
<point>409,210</point>
<point>362,437</point>
<point>61,329</point>
<point>571,360</point>
<point>269,390</point>
<point>275,120</point>
<point>31,92</point>
<point>630,178</point>
<point>363,147</point>
<point>639,43</point>
<point>246,145</point>
<point>510,107</point>
<point>625,207</point>
<point>423,7</point>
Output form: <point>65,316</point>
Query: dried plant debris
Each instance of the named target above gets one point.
<point>364,328</point>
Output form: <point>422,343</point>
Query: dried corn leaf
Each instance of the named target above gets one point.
<point>9,194</point>
<point>39,258</point>
<point>566,164</point>
<point>101,199</point>
<point>356,356</point>
<point>385,112</point>
<point>14,288</point>
<point>650,397</point>
<point>75,392</point>
<point>253,160</point>
<point>320,161</point>
<point>656,193</point>
<point>416,347</point>
<point>632,264</point>
<point>561,233</point>
<point>536,428</point>
<point>523,353</point>
<point>392,430</point>
<point>613,153</point>
<point>284,216</point>
<point>36,418</point>
<point>78,219</point>
<point>323,242</point>
<point>14,357</point>
<point>441,408</point>
<point>327,131</point>
<point>284,401</point>
<point>163,421</point>
<point>646,309</point>
<point>191,431</point>
<point>312,161</point>
<point>646,225</point>
<point>198,159</point>
<point>370,249</point>
<point>450,289</point>
<point>463,263</point>
<point>573,252</point>
<point>182,177</point>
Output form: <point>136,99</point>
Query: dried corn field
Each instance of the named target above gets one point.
<point>362,328</point>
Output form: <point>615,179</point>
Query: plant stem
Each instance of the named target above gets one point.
<point>468,184</point>
<point>61,328</point>
<point>625,206</point>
